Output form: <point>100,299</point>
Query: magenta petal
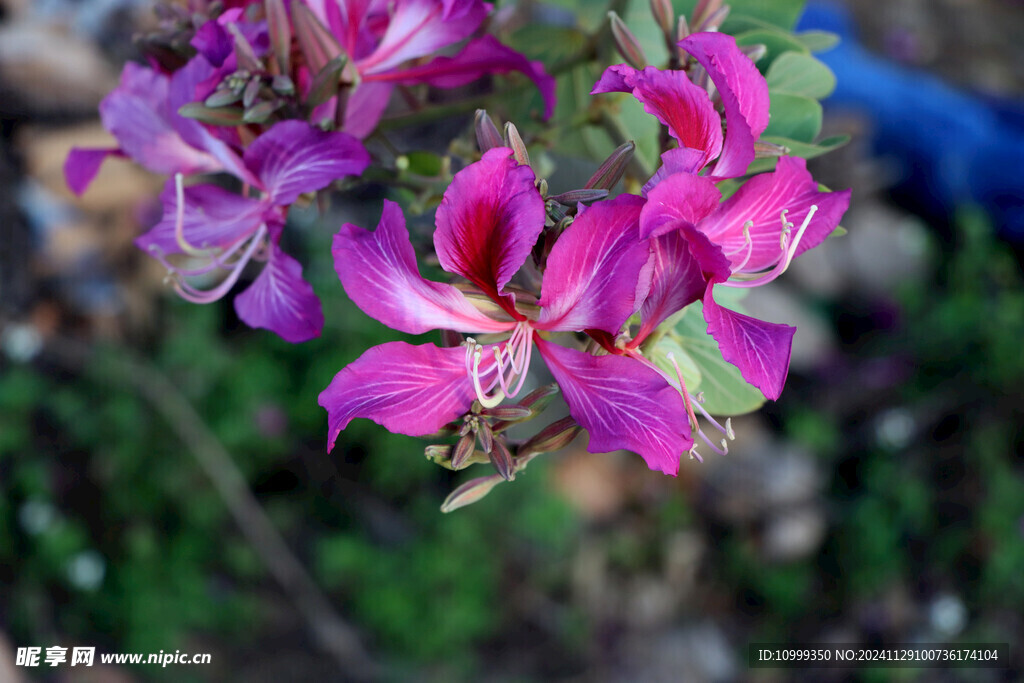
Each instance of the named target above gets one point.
<point>675,101</point>
<point>679,197</point>
<point>213,217</point>
<point>678,160</point>
<point>193,83</point>
<point>489,220</point>
<point>365,106</point>
<point>136,113</point>
<point>293,157</point>
<point>744,94</point>
<point>82,165</point>
<point>412,390</point>
<point>676,282</point>
<point>623,404</point>
<point>421,27</point>
<point>379,272</point>
<point>281,301</point>
<point>614,79</point>
<point>761,201</point>
<point>759,349</point>
<point>594,270</point>
<point>484,55</point>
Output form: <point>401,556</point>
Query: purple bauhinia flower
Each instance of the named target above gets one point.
<point>142,115</point>
<point>382,39</point>
<point>746,241</point>
<point>688,111</point>
<point>597,276</point>
<point>227,230</point>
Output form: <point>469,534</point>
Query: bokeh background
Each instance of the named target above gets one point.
<point>164,483</point>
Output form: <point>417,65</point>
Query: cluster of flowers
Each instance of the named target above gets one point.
<point>280,98</point>
<point>631,259</point>
<point>279,95</point>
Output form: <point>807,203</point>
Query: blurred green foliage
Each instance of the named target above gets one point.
<point>89,469</point>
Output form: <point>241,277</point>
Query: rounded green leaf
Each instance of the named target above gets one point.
<point>794,73</point>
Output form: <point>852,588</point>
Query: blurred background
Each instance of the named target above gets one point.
<point>164,483</point>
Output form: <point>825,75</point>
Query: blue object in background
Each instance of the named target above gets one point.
<point>954,147</point>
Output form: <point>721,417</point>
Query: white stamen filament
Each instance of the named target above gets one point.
<point>789,251</point>
<point>511,363</point>
<point>179,220</point>
<point>198,296</point>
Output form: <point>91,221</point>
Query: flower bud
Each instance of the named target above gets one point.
<point>508,413</point>
<point>611,170</point>
<point>626,43</point>
<point>463,450</point>
<point>663,14</point>
<point>502,460</point>
<point>438,454</point>
<point>555,436</point>
<point>485,435</point>
<point>513,140</point>
<point>280,29</point>
<point>573,197</point>
<point>316,42</point>
<point>326,82</point>
<point>487,135</point>
<point>470,492</point>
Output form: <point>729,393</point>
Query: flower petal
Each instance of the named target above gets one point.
<point>678,160</point>
<point>421,27</point>
<point>489,220</point>
<point>676,282</point>
<point>379,272</point>
<point>482,56</point>
<point>623,404</point>
<point>761,201</point>
<point>281,301</point>
<point>365,106</point>
<point>193,83</point>
<point>293,157</point>
<point>213,217</point>
<point>744,94</point>
<point>82,165</point>
<point>593,273</point>
<point>674,100</point>
<point>679,197</point>
<point>760,349</point>
<point>137,114</point>
<point>412,390</point>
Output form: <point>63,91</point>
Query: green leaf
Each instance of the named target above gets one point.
<point>818,41</point>
<point>778,43</point>
<point>780,13</point>
<point>725,391</point>
<point>794,73</point>
<point>807,150</point>
<point>425,164</point>
<point>795,117</point>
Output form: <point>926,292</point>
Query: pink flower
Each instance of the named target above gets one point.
<point>228,230</point>
<point>382,39</point>
<point>596,278</point>
<point>746,241</point>
<point>687,109</point>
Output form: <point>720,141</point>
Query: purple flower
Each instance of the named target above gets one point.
<point>597,276</point>
<point>687,109</point>
<point>382,39</point>
<point>142,114</point>
<point>227,230</point>
<point>746,241</point>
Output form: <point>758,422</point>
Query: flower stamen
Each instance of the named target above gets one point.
<point>788,249</point>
